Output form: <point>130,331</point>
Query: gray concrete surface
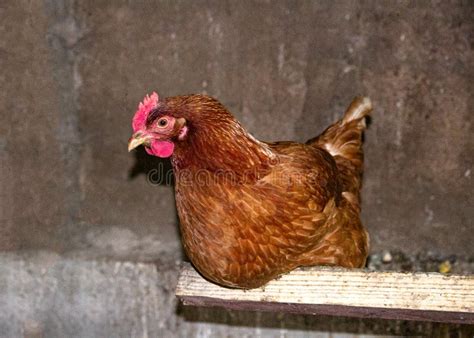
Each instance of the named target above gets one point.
<point>52,297</point>
<point>73,72</point>
<point>47,295</point>
<point>32,175</point>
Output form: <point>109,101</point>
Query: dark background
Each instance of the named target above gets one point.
<point>73,72</point>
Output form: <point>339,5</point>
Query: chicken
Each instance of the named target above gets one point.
<point>249,210</point>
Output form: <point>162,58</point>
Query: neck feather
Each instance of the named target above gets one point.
<point>223,146</point>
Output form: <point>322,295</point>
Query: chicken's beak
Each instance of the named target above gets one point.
<point>138,139</point>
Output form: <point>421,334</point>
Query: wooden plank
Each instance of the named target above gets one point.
<point>341,292</point>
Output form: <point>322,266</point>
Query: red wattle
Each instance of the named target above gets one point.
<point>161,148</point>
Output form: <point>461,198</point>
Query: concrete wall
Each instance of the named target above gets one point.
<point>46,295</point>
<point>72,74</point>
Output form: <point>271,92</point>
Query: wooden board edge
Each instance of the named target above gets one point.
<point>332,310</point>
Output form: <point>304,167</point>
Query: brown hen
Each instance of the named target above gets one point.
<point>249,210</point>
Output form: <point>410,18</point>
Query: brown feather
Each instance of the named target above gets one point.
<point>250,211</point>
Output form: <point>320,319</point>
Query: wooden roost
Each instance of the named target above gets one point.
<point>341,292</point>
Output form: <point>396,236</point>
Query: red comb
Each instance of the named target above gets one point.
<point>149,103</point>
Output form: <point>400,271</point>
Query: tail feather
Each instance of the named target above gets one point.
<point>359,108</point>
<point>343,140</point>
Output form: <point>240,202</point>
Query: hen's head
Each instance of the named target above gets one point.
<point>157,127</point>
<point>160,125</point>
<point>199,131</point>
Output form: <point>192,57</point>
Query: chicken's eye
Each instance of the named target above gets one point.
<point>162,122</point>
